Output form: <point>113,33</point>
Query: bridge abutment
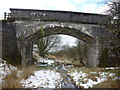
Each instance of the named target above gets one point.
<point>94,52</point>
<point>8,40</point>
<point>26,53</point>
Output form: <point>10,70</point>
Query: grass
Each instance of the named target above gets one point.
<point>27,71</point>
<point>77,63</point>
<point>45,67</point>
<point>84,69</point>
<point>13,80</point>
<point>112,71</point>
<point>108,84</point>
<point>93,76</point>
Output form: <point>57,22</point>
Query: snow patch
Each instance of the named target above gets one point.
<point>46,60</point>
<point>5,69</point>
<point>81,78</point>
<point>42,79</point>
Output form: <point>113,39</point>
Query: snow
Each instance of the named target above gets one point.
<point>81,78</point>
<point>20,72</point>
<point>93,72</point>
<point>42,79</point>
<point>80,74</point>
<point>70,26</point>
<point>111,68</point>
<point>46,60</point>
<point>112,74</point>
<point>90,83</point>
<point>5,69</point>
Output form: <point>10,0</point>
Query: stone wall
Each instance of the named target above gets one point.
<point>9,44</point>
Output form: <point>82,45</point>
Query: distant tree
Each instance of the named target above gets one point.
<point>78,53</point>
<point>47,43</point>
<point>69,51</point>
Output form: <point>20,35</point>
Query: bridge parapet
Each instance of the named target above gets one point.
<point>65,16</point>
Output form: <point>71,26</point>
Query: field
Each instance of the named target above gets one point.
<point>50,77</point>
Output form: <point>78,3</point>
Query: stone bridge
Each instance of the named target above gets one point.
<point>24,26</point>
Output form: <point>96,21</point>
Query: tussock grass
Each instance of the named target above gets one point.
<point>27,71</point>
<point>13,80</point>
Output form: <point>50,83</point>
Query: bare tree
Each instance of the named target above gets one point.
<point>114,13</point>
<point>81,50</point>
<point>111,55</point>
<point>48,43</point>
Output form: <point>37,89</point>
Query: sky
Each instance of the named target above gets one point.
<point>87,6</point>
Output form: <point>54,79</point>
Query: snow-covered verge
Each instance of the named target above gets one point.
<point>42,79</point>
<point>5,69</point>
<point>88,80</point>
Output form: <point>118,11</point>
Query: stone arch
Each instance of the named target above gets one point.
<point>24,23</point>
<point>93,50</point>
<point>60,30</point>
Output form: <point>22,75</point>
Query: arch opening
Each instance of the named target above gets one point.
<point>74,54</point>
<point>29,40</point>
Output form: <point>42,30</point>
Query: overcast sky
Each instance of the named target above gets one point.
<point>89,6</point>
